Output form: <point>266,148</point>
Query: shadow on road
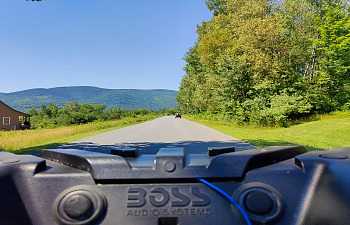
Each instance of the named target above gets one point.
<point>191,147</point>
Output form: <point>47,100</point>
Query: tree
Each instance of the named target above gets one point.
<point>334,43</point>
<point>33,112</point>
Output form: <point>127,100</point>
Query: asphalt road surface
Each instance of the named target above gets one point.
<point>163,132</point>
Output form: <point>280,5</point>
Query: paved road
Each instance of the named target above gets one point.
<point>166,131</point>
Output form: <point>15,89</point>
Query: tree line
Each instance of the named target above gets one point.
<point>74,113</point>
<point>268,62</point>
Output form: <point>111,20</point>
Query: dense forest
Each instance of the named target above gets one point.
<point>268,62</point>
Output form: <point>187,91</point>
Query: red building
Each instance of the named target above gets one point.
<point>11,119</point>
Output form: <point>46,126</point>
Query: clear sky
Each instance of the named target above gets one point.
<point>117,44</point>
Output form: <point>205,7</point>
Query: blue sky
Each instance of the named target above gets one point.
<point>132,44</point>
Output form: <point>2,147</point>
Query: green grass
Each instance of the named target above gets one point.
<point>326,132</point>
<point>29,141</point>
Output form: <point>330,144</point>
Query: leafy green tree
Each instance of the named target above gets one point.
<point>44,110</point>
<point>53,111</point>
<point>217,6</point>
<point>235,82</point>
<point>33,112</point>
<point>298,20</point>
<point>192,84</point>
<point>334,43</point>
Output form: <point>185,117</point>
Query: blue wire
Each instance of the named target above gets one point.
<point>244,214</point>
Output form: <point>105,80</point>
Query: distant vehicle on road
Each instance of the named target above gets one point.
<point>177,115</point>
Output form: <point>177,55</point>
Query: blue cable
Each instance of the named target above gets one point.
<point>244,214</point>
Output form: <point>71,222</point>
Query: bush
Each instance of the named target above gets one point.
<point>276,110</point>
<point>74,113</point>
<point>346,107</point>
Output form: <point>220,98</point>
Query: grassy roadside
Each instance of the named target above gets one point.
<point>29,141</point>
<point>327,132</point>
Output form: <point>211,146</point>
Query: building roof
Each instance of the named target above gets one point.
<point>13,109</point>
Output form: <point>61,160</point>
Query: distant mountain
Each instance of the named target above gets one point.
<point>112,98</point>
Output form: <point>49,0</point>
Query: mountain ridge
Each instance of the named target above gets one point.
<point>151,99</point>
